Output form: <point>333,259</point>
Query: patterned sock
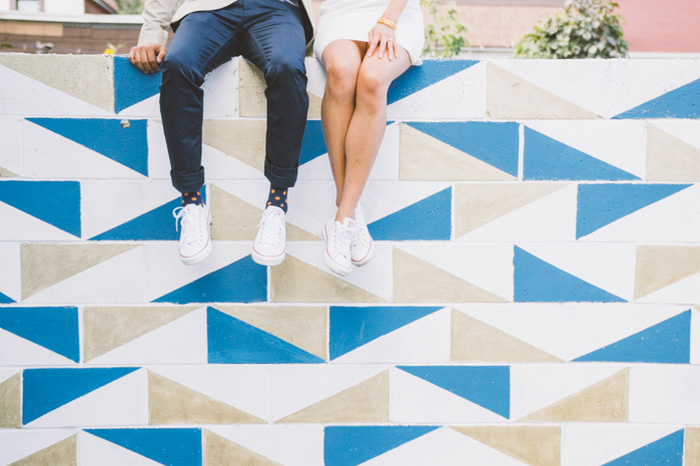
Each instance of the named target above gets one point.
<point>278,197</point>
<point>192,198</point>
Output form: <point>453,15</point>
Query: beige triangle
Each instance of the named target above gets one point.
<point>243,140</point>
<point>86,77</point>
<point>64,453</point>
<point>509,96</point>
<point>44,265</point>
<point>660,266</point>
<point>222,452</point>
<point>10,403</point>
<point>295,281</point>
<point>476,341</point>
<point>5,173</point>
<point>691,446</point>
<point>423,157</point>
<point>314,106</point>
<point>172,403</point>
<point>366,402</point>
<point>539,445</point>
<point>304,327</point>
<point>605,401</point>
<point>417,281</point>
<point>107,328</point>
<point>477,204</point>
<point>237,220</point>
<point>669,158</point>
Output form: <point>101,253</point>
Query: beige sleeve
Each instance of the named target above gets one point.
<point>157,15</point>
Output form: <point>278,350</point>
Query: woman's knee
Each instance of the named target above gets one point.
<point>372,84</point>
<point>341,78</point>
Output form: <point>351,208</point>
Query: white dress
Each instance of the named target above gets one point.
<point>353,19</point>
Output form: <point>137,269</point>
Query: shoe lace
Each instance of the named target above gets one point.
<point>342,238</point>
<point>189,218</point>
<point>272,223</point>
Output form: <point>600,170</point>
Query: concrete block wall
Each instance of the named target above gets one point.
<point>533,299</point>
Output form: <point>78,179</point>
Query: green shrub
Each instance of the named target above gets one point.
<point>444,35</point>
<point>585,29</point>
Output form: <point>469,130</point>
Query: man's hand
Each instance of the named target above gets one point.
<point>147,57</point>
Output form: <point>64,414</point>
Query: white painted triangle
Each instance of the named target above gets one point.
<point>311,196</point>
<point>182,341</point>
<point>158,160</point>
<point>20,226</point>
<point>51,155</point>
<point>11,271</point>
<point>96,450</point>
<point>317,77</point>
<point>457,97</point>
<point>220,166</point>
<point>18,444</point>
<point>551,218</point>
<point>609,266</point>
<point>374,277</point>
<point>426,340</point>
<point>570,330</point>
<point>220,91</point>
<point>295,387</point>
<point>382,199</point>
<point>292,445</point>
<point>17,351</point>
<point>123,402</point>
<point>673,219</point>
<point>7,374</point>
<point>154,271</point>
<point>22,95</point>
<point>444,447</point>
<point>683,291</point>
<point>245,387</point>
<point>620,143</point>
<point>534,387</point>
<point>11,145</point>
<point>685,130</point>
<point>415,400</point>
<point>593,445</point>
<point>147,108</point>
<point>106,204</point>
<point>488,266</point>
<point>318,169</point>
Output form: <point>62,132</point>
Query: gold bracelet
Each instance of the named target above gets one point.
<point>386,22</point>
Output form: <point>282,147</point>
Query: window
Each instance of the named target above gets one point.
<point>28,6</point>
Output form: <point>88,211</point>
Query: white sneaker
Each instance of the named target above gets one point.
<point>362,244</point>
<point>195,243</point>
<point>337,238</point>
<point>270,247</point>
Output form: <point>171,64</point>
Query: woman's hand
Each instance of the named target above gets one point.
<point>382,38</point>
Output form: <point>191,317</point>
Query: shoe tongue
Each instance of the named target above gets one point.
<point>348,222</point>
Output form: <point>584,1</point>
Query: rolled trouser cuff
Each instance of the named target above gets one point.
<point>188,182</point>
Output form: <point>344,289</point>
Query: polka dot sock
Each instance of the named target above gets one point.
<point>277,197</point>
<point>192,198</point>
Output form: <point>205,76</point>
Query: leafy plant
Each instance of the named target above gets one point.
<point>129,7</point>
<point>444,35</point>
<point>585,29</point>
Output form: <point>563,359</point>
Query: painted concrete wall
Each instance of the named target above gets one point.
<point>533,299</point>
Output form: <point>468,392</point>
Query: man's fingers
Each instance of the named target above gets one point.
<point>161,55</point>
<point>151,57</point>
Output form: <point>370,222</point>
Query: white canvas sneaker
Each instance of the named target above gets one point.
<point>195,241</point>
<point>362,244</point>
<point>270,246</point>
<point>337,239</point>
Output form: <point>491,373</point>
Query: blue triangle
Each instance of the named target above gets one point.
<point>155,225</point>
<point>545,158</point>
<point>493,143</point>
<point>232,341</point>
<point>173,447</point>
<point>131,86</point>
<point>427,219</point>
<point>125,145</point>
<point>487,386</point>
<point>352,327</point>
<point>4,299</point>
<point>667,342</point>
<point>243,281</point>
<point>537,281</point>
<point>47,389</point>
<point>667,450</point>
<point>54,202</point>
<point>601,204</point>
<point>54,328</point>
<point>349,446</point>
<point>420,77</point>
<point>683,102</point>
<point>313,145</point>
